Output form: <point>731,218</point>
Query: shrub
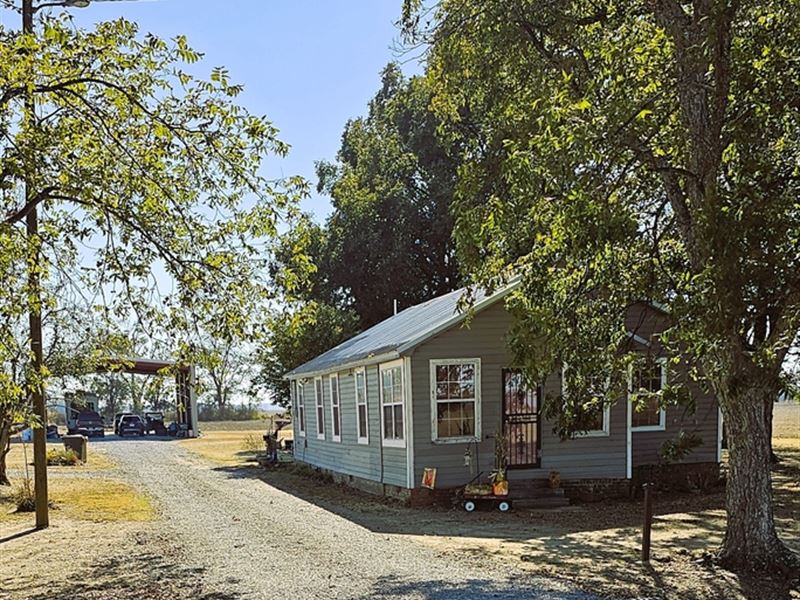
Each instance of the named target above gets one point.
<point>23,497</point>
<point>252,443</point>
<point>66,457</point>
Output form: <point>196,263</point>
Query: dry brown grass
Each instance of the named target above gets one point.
<point>84,492</point>
<point>97,459</point>
<point>230,447</point>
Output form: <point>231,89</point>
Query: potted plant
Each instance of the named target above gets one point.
<point>499,477</point>
<point>554,479</point>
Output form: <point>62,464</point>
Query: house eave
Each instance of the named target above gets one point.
<point>361,362</point>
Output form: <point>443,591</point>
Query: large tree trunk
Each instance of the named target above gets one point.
<point>750,542</point>
<point>5,446</point>
<point>769,409</point>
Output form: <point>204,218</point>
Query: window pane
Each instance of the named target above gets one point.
<point>650,414</point>
<point>467,372</point>
<point>441,373</point>
<point>398,422</point>
<point>388,429</point>
<point>336,421</point>
<point>302,418</point>
<point>453,372</point>
<point>441,391</point>
<point>455,390</point>
<point>362,420</point>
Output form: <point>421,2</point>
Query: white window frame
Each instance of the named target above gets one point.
<point>334,377</point>
<point>662,413</point>
<point>476,437</point>
<point>319,407</point>
<point>301,407</point>
<point>605,431</point>
<point>395,364</point>
<point>363,372</point>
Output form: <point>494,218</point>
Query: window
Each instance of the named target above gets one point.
<point>320,408</point>
<point>297,388</point>
<point>362,421</point>
<point>391,377</point>
<point>597,413</point>
<point>455,397</point>
<point>647,381</point>
<point>336,411</point>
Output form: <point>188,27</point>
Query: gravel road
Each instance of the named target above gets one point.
<point>251,540</point>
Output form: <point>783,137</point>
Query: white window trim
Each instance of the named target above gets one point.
<point>385,367</point>
<point>301,400</point>
<point>319,401</point>
<point>591,433</point>
<point>335,377</point>
<point>662,413</point>
<point>433,363</point>
<point>363,371</point>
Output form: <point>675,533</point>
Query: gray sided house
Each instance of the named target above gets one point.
<point>425,389</point>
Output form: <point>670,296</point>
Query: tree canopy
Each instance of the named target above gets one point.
<point>635,151</point>
<point>153,206</point>
<point>389,237</point>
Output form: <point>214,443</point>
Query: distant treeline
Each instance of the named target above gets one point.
<point>233,412</point>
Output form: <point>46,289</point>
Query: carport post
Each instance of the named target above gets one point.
<point>192,401</point>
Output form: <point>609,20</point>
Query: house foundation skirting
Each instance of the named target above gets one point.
<point>680,476</point>
<point>363,484</point>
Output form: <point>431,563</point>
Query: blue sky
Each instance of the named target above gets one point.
<point>308,65</point>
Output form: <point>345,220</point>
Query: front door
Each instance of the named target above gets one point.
<point>521,420</point>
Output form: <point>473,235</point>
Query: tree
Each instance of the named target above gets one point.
<point>630,151</point>
<point>140,171</point>
<point>296,335</point>
<point>390,234</point>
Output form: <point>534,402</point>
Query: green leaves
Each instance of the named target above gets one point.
<point>153,208</point>
<point>616,154</point>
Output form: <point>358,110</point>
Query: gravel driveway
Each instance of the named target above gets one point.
<point>252,540</point>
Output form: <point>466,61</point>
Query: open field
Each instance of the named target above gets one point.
<point>255,425</point>
<point>232,446</point>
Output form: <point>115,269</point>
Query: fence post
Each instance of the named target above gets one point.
<point>648,521</point>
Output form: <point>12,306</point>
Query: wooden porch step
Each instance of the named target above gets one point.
<point>539,503</point>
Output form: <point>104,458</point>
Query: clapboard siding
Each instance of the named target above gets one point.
<point>590,457</point>
<point>368,461</point>
<point>648,322</point>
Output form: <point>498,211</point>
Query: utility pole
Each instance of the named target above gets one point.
<point>35,314</point>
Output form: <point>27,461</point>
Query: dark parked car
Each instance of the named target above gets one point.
<point>117,418</point>
<point>90,424</point>
<point>131,424</point>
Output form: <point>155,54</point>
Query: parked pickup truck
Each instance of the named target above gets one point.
<point>90,424</point>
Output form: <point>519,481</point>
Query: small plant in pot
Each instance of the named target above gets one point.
<point>554,480</point>
<point>499,477</point>
<point>499,482</point>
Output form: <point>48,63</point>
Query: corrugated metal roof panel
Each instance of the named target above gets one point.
<point>397,331</point>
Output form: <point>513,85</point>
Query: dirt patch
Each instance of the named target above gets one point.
<point>595,546</point>
<point>78,559</point>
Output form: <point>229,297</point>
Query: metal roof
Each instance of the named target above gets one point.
<point>398,334</point>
